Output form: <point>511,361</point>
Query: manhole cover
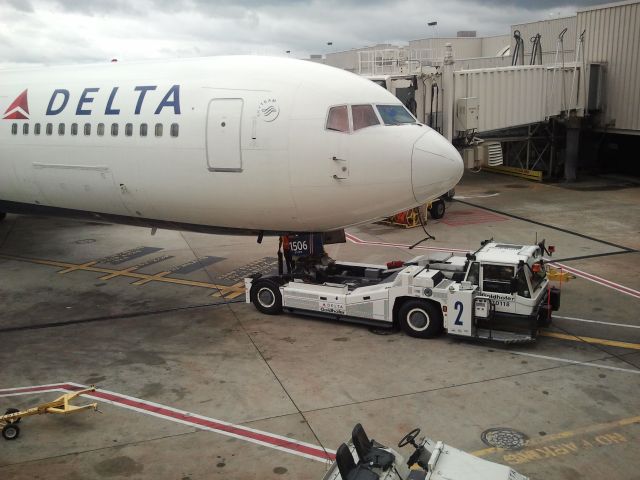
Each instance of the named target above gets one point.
<point>505,438</point>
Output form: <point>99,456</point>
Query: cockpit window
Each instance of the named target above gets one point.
<point>395,114</point>
<point>363,116</point>
<point>338,119</point>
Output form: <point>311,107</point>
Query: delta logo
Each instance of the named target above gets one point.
<point>105,100</point>
<point>19,109</point>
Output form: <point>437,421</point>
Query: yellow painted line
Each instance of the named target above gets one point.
<point>152,278</point>
<point>566,434</point>
<point>118,273</point>
<point>596,341</point>
<point>73,267</point>
<point>159,277</point>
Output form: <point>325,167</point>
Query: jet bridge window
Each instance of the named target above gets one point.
<point>395,114</point>
<point>497,278</point>
<point>25,129</point>
<point>338,119</point>
<point>363,116</point>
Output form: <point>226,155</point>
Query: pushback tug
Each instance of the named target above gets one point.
<point>499,292</point>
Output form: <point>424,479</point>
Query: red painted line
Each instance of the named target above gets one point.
<point>256,436</point>
<point>599,280</point>
<point>358,241</point>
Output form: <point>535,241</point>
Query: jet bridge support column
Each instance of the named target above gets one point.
<point>448,93</point>
<point>573,125</point>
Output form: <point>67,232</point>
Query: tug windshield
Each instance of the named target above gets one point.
<point>395,114</point>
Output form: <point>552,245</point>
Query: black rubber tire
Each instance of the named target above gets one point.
<point>2,216</point>
<point>265,295</point>
<point>13,410</point>
<point>437,209</point>
<point>413,312</point>
<point>10,431</point>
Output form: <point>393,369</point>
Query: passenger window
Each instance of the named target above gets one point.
<point>61,129</point>
<point>114,129</point>
<point>87,129</point>
<point>74,129</point>
<point>25,129</point>
<point>363,116</point>
<point>175,129</point>
<point>128,129</point>
<point>158,129</point>
<point>338,119</point>
<point>143,129</point>
<point>473,275</point>
<point>497,278</point>
<point>14,129</point>
<point>36,129</point>
<point>101,129</point>
<point>49,128</point>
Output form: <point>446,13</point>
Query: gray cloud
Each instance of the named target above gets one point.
<point>71,31</point>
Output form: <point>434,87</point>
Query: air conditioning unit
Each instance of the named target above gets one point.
<point>494,154</point>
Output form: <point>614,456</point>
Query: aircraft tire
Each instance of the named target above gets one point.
<point>265,295</point>
<point>437,209</point>
<point>2,216</point>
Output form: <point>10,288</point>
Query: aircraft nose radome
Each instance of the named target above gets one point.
<point>436,166</point>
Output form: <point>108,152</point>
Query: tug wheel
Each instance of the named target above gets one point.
<point>437,209</point>
<point>420,319</point>
<point>10,431</point>
<point>265,295</point>
<point>10,411</point>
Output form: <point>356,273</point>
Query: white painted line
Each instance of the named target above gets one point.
<point>461,197</point>
<point>596,321</point>
<point>271,440</point>
<point>566,360</point>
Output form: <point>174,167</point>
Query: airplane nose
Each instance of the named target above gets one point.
<point>436,166</point>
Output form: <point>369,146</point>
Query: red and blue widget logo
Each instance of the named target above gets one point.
<point>19,108</point>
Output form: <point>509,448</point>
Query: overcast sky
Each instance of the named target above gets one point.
<point>80,31</point>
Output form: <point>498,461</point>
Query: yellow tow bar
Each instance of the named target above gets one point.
<point>59,406</point>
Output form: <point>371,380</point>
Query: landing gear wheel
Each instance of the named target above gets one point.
<point>2,215</point>
<point>409,438</point>
<point>10,411</point>
<point>437,209</point>
<point>420,319</point>
<point>265,295</point>
<point>10,431</point>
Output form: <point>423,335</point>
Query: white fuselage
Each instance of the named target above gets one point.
<point>244,145</point>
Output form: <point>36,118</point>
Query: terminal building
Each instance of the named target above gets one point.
<point>550,98</point>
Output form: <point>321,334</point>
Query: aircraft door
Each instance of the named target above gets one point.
<point>224,123</point>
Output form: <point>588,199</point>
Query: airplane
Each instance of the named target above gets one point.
<point>230,144</point>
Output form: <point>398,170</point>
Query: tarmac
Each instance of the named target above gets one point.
<point>193,383</point>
